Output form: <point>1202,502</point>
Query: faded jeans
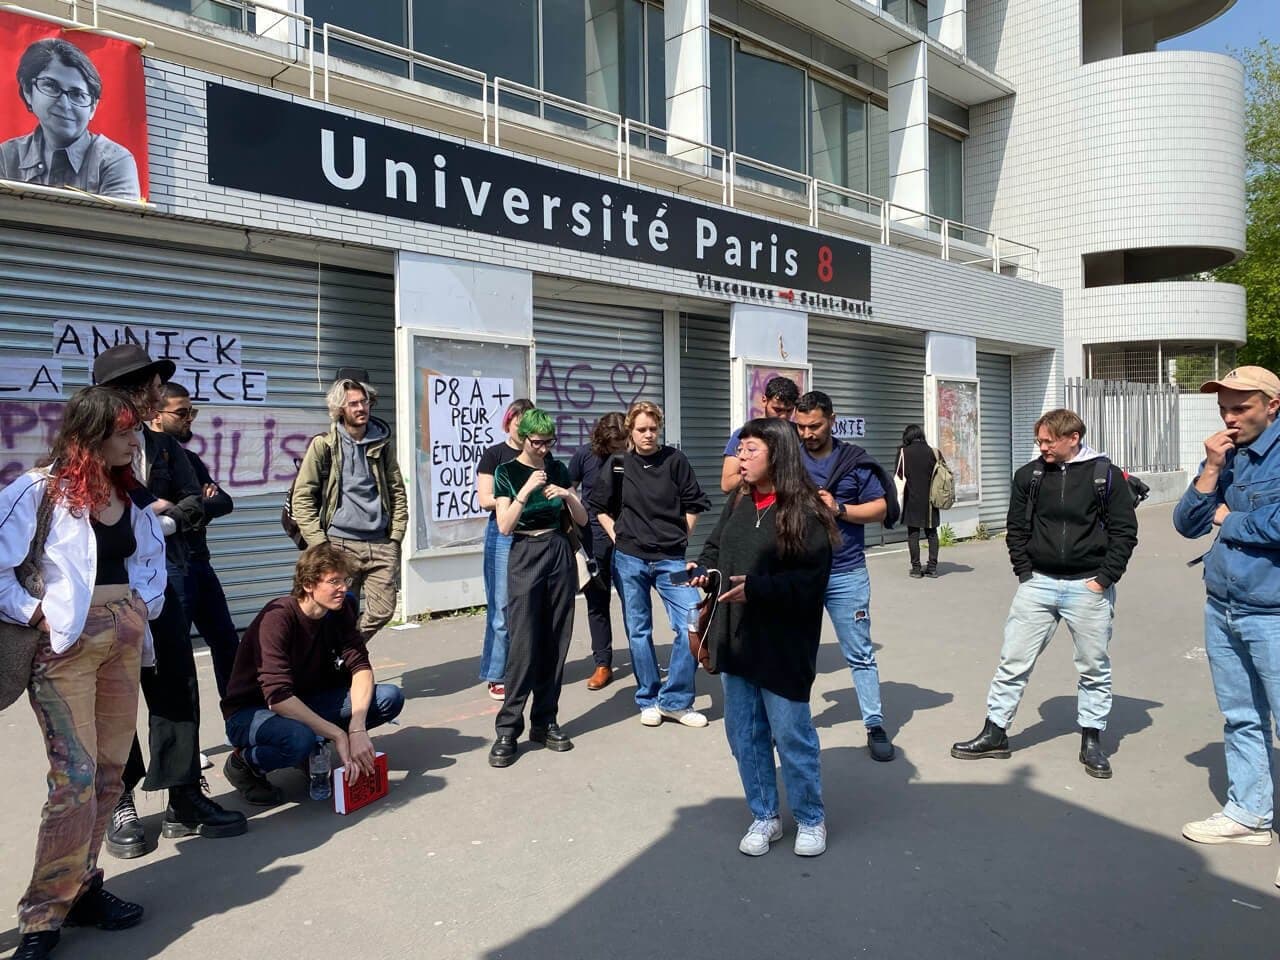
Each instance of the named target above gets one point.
<point>1244,660</point>
<point>493,659</point>
<point>1033,617</point>
<point>755,721</point>
<point>848,602</point>
<point>636,578</point>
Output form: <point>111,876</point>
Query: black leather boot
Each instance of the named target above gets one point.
<point>991,742</point>
<point>37,946</point>
<point>503,751</point>
<point>125,837</point>
<point>95,907</point>
<point>552,736</point>
<point>191,813</point>
<point>1095,761</point>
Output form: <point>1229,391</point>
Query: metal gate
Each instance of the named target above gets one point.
<point>872,377</point>
<point>996,425</point>
<point>296,321</point>
<point>704,410</point>
<point>591,359</point>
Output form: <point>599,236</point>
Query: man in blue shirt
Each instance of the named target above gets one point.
<point>855,488</point>
<point>1238,491</point>
<point>779,402</point>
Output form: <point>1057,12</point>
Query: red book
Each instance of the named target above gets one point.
<point>348,797</point>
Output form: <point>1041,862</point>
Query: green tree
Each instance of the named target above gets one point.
<point>1259,270</point>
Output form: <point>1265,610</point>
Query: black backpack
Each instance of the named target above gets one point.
<point>290,525</point>
<point>1101,487</point>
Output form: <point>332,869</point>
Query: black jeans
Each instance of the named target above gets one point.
<point>599,593</point>
<point>913,545</point>
<point>207,607</point>
<point>541,584</point>
<point>173,702</point>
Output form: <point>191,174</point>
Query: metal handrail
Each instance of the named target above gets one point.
<point>411,57</point>
<point>75,23</point>
<point>564,103</point>
<point>736,158</point>
<point>648,128</point>
<point>826,186</point>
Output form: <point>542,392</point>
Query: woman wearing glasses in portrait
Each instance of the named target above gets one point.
<point>59,84</point>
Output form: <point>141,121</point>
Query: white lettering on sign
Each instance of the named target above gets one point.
<point>849,428</point>
<point>465,419</point>
<point>31,378</point>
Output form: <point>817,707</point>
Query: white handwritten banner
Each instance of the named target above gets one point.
<point>849,428</point>
<point>29,378</point>
<point>465,418</point>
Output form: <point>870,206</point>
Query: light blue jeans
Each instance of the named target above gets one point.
<point>755,721</point>
<point>637,578</point>
<point>1244,660</point>
<point>1033,617</point>
<point>848,603</point>
<point>497,547</point>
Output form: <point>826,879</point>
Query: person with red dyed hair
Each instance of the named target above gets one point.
<point>104,573</point>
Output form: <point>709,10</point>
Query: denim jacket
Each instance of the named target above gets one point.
<point>1241,568</point>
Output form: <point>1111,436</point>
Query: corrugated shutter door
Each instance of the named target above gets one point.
<point>292,319</point>
<point>704,410</point>
<point>996,423</point>
<point>879,379</point>
<point>593,359</point>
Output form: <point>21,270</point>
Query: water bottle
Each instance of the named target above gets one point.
<point>318,767</point>
<point>691,620</point>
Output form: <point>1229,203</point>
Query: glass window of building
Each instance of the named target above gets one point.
<point>877,150</point>
<point>946,176</point>
<point>721,80</point>
<point>838,139</point>
<point>383,19</point>
<point>501,40</point>
<point>769,114</point>
<point>914,13</point>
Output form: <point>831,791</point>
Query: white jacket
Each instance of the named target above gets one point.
<point>70,563</point>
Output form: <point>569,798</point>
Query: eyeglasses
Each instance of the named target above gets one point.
<point>53,90</point>
<point>750,453</point>
<point>338,583</point>
<point>542,444</point>
<point>183,413</point>
<point>356,404</point>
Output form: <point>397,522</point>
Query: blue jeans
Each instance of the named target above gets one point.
<point>1244,660</point>
<point>1033,617</point>
<point>497,547</point>
<point>848,602</point>
<point>637,578</point>
<point>272,742</point>
<point>755,721</point>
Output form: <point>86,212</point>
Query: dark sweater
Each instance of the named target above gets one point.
<point>772,639</point>
<point>286,654</point>
<point>657,492</point>
<point>219,505</point>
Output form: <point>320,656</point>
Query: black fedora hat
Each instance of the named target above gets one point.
<point>128,359</point>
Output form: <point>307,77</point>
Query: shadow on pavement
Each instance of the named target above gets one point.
<point>900,702</point>
<point>1058,719</point>
<point>917,870</point>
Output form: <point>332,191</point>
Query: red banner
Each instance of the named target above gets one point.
<point>73,109</point>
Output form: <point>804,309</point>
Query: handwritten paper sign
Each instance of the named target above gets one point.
<point>849,428</point>
<point>28,378</point>
<point>465,417</point>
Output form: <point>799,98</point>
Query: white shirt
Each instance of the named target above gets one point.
<point>70,564</point>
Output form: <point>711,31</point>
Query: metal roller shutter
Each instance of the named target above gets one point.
<point>296,321</point>
<point>592,359</point>
<point>704,409</point>
<point>872,377</point>
<point>996,424</point>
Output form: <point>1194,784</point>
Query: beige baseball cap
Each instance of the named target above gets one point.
<point>1245,378</point>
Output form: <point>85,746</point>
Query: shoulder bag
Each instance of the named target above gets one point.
<point>19,642</point>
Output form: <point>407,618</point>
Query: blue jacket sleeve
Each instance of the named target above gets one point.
<point>1258,528</point>
<point>1193,516</point>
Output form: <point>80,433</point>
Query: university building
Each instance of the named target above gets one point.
<point>935,212</point>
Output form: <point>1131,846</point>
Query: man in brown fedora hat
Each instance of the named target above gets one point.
<point>1238,492</point>
<point>170,689</point>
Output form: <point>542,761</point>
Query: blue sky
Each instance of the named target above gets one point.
<point>1240,27</point>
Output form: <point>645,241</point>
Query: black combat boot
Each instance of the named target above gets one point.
<point>125,837</point>
<point>991,742</point>
<point>191,813</point>
<point>1091,755</point>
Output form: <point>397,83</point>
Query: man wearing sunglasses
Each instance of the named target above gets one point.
<point>61,87</point>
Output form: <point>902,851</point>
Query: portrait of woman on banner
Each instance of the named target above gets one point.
<point>60,86</point>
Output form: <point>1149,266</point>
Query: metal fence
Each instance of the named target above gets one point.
<point>1135,424</point>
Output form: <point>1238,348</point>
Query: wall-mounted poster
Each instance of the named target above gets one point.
<point>759,373</point>
<point>73,109</point>
<point>956,403</point>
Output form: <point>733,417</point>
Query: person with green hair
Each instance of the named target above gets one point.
<point>532,494</point>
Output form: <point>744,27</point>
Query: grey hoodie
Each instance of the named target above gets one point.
<point>359,515</point>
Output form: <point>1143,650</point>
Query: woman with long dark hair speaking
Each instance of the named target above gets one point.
<point>772,548</point>
<point>104,573</point>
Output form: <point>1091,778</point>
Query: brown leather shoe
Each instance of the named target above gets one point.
<point>600,679</point>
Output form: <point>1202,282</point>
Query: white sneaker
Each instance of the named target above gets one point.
<point>689,717</point>
<point>651,717</point>
<point>1220,828</point>
<point>205,762</point>
<point>755,842</point>
<point>811,841</point>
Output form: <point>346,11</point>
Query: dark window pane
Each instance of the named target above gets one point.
<point>877,151</point>
<point>769,122</point>
<point>946,176</point>
<point>657,66</point>
<point>500,39</point>
<point>721,91</point>
<point>382,19</point>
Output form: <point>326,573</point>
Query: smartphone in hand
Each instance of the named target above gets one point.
<point>684,576</point>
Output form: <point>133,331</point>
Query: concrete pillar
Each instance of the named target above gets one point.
<point>947,20</point>
<point>909,128</point>
<point>688,37</point>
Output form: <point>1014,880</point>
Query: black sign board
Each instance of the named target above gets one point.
<point>268,145</point>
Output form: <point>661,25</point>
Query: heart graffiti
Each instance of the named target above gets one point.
<point>623,380</point>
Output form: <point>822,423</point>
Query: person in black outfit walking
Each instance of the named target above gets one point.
<point>607,439</point>
<point>916,461</point>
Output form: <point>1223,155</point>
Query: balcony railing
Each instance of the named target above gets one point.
<point>532,115</point>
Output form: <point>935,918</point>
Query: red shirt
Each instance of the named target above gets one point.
<point>763,500</point>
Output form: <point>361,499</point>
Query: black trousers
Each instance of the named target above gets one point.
<point>207,608</point>
<point>173,702</point>
<point>913,545</point>
<point>541,583</point>
<point>599,592</point>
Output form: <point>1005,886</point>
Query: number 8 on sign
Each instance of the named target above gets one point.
<point>826,273</point>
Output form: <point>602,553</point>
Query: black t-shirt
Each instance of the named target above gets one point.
<point>539,513</point>
<point>495,457</point>
<point>657,492</point>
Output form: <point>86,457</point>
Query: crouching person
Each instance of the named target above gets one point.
<point>302,673</point>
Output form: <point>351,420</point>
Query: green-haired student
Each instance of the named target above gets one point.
<point>532,492</point>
